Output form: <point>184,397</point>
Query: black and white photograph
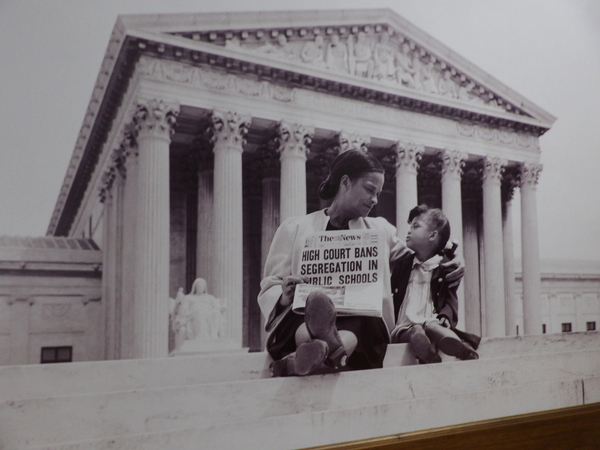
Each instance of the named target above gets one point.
<point>292,225</point>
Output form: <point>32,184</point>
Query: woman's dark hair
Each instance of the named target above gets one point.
<point>355,164</point>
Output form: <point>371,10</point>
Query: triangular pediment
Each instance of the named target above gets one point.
<point>373,48</point>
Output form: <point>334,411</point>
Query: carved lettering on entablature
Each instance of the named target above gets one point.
<point>498,136</point>
<point>377,113</point>
<point>177,72</point>
<point>372,51</point>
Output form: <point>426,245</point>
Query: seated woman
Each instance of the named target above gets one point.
<point>320,340</point>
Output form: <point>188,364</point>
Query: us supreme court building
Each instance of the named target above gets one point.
<point>205,131</point>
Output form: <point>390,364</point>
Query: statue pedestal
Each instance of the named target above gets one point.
<point>197,347</point>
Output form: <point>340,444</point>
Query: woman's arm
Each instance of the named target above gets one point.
<point>277,267</point>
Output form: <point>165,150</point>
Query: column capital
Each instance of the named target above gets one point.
<point>294,139</point>
<point>510,180</point>
<point>155,118</point>
<point>408,156</point>
<point>453,162</point>
<point>493,168</point>
<point>530,174</point>
<point>228,129</point>
<point>353,141</point>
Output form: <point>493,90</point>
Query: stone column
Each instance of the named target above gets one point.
<point>408,156</point>
<point>493,247</point>
<point>294,141</point>
<point>453,162</point>
<point>205,238</point>
<point>154,120</point>
<point>228,130</point>
<point>532,314</point>
<point>508,184</point>
<point>111,196</point>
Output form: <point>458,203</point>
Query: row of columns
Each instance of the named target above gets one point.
<point>143,208</point>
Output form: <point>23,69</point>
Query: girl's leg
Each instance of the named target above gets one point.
<point>448,342</point>
<point>420,345</point>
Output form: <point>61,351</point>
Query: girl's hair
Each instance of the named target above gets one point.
<point>355,164</point>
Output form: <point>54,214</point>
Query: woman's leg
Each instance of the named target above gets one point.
<point>349,339</point>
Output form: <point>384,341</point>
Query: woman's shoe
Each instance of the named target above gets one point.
<point>307,358</point>
<point>319,317</point>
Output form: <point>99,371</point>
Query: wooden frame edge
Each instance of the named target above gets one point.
<point>576,427</point>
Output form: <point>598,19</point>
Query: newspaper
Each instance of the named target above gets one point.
<point>346,265</point>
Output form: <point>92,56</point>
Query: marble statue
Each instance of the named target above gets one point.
<point>384,67</point>
<point>361,56</point>
<point>197,316</point>
<point>337,55</point>
<point>405,73</point>
<point>312,52</point>
<point>447,86</point>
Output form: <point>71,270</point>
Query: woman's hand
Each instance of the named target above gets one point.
<point>288,287</point>
<point>454,270</point>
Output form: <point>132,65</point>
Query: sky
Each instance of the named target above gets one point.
<point>546,50</point>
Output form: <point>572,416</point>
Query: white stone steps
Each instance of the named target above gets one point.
<point>31,381</point>
<point>63,379</point>
<point>94,416</point>
<point>359,422</point>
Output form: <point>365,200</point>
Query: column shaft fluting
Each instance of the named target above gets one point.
<point>453,161</point>
<point>493,248</point>
<point>294,142</point>
<point>205,235</point>
<point>532,314</point>
<point>509,271</point>
<point>152,239</point>
<point>229,131</point>
<point>407,164</point>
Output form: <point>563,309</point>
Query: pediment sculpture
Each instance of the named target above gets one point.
<point>375,52</point>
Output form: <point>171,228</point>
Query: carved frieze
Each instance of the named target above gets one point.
<point>372,51</point>
<point>250,87</point>
<point>498,136</point>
